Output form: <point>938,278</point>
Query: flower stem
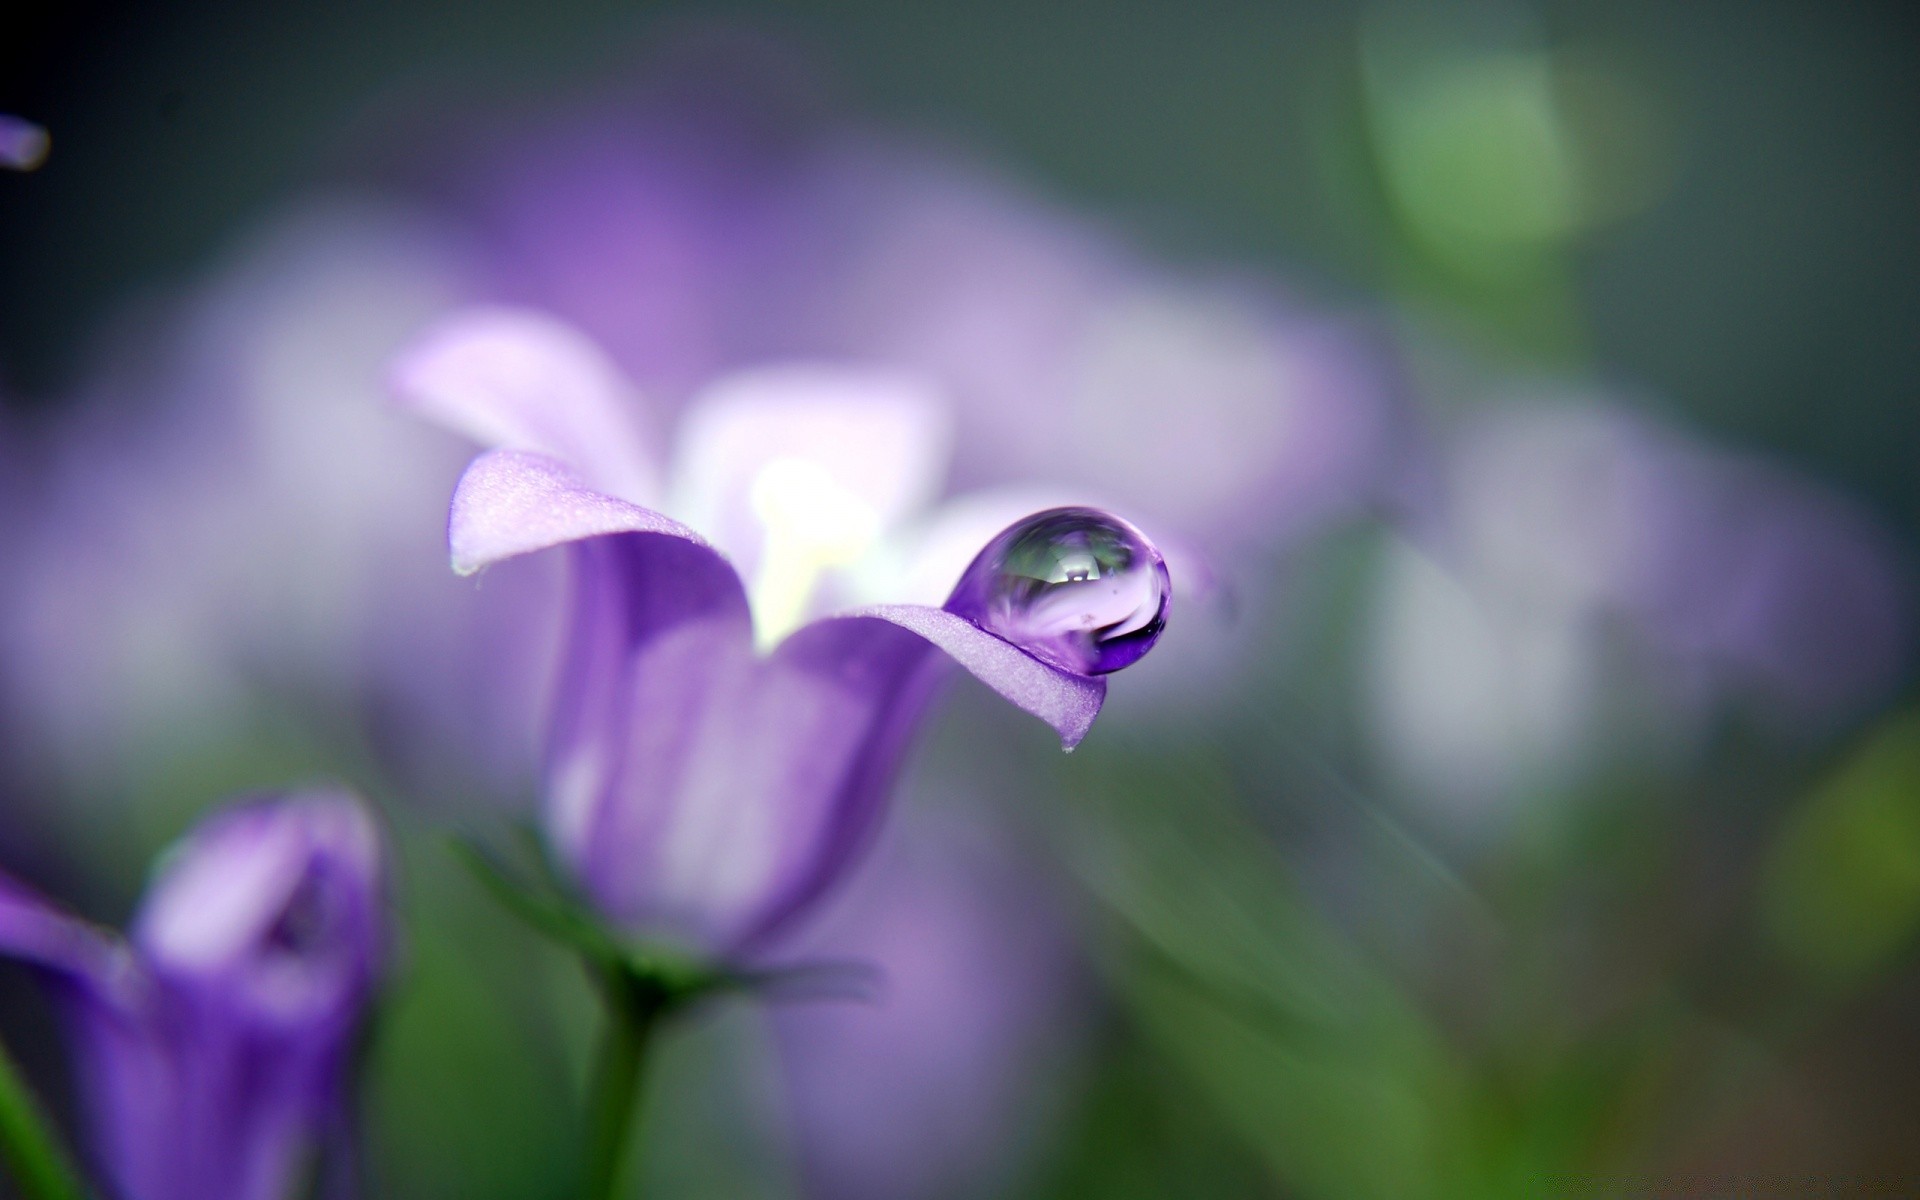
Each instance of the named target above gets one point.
<point>32,1154</point>
<point>635,1005</point>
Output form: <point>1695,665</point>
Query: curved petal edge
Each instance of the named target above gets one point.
<point>1066,701</point>
<point>516,379</point>
<point>512,502</point>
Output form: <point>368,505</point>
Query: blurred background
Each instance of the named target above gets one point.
<point>1526,799</point>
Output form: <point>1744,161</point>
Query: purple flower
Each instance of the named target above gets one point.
<point>720,750</point>
<point>230,521</point>
<point>211,1044</point>
<point>724,217</point>
<point>23,145</point>
<point>1592,584</point>
<point>226,521</point>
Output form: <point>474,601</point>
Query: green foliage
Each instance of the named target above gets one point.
<point>465,1099</point>
<point>1842,887</point>
<point>33,1155</point>
<point>1326,1058</point>
<point>1141,1133</point>
<point>1310,1051</point>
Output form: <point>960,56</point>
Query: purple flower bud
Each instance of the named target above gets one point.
<point>211,1044</point>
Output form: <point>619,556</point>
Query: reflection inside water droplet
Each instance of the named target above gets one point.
<point>1074,587</point>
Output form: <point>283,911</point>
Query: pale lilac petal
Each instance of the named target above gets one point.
<point>654,576</point>
<point>629,592</point>
<point>923,562</point>
<point>745,782</point>
<point>884,677</point>
<point>643,792</point>
<point>1194,400</point>
<point>1202,401</point>
<point>871,444</point>
<point>517,379</point>
<point>510,503</point>
<point>1066,701</point>
<point>743,787</point>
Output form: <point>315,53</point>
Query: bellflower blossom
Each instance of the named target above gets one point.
<point>212,1043</point>
<point>717,756</point>
<point>1594,584</point>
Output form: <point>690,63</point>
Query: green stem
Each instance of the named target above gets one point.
<point>32,1153</point>
<point>634,1007</point>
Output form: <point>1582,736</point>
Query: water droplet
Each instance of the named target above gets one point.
<point>1074,587</point>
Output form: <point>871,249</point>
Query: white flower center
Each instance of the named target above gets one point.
<point>811,523</point>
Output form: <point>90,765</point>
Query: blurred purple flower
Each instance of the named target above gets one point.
<point>230,521</point>
<point>722,217</point>
<point>1592,584</point>
<point>931,1088</point>
<point>212,1043</point>
<point>23,145</point>
<point>697,783</point>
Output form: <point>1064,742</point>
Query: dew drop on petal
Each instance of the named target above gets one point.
<point>1074,587</point>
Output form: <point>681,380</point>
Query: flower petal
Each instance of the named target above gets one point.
<point>629,593</point>
<point>272,910</point>
<point>921,562</point>
<point>637,575</point>
<point>745,783</point>
<point>1066,701</point>
<point>510,503</point>
<point>36,930</point>
<point>262,936</point>
<point>125,1069</point>
<point>520,380</point>
<point>881,672</point>
<point>863,446</point>
<point>734,790</point>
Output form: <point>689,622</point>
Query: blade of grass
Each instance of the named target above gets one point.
<point>32,1153</point>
